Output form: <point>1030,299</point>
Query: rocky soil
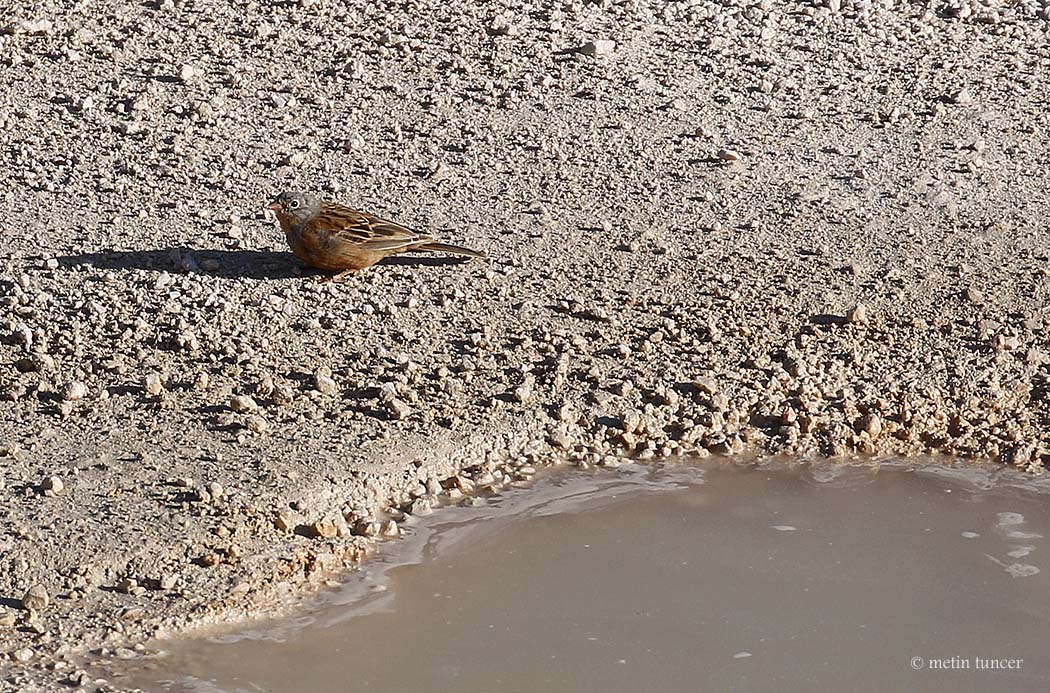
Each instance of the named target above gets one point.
<point>714,226</point>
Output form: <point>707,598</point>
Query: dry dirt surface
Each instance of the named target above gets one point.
<point>816,229</point>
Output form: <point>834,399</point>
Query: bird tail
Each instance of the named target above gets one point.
<point>438,247</point>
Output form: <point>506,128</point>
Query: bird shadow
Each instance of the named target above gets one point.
<point>251,264</point>
<point>230,264</point>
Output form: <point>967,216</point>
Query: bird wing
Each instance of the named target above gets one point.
<point>368,232</point>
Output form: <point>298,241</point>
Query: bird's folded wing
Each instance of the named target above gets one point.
<point>368,231</point>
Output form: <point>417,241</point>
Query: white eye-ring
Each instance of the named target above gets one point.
<point>294,204</point>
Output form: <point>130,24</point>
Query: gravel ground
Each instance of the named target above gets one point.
<point>712,227</point>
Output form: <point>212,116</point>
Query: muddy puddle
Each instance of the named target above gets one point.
<point>677,578</point>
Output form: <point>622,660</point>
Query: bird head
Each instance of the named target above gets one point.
<point>298,206</point>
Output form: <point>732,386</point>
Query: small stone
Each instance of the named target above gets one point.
<point>153,384</point>
<point>325,529</point>
<point>210,560</point>
<point>257,424</point>
<point>368,529</point>
<point>523,392</point>
<point>167,581</point>
<point>283,394</point>
<point>264,388</point>
<point>23,655</point>
<point>74,390</point>
<point>324,384</point>
<point>729,155</point>
<point>53,486</point>
<point>216,490</point>
<point>36,599</point>
<point>560,441</point>
<point>464,483</point>
<point>398,409</point>
<point>287,520</point>
<point>187,341</point>
<point>706,385</point>
<point>1004,342</point>
<point>387,392</point>
<point>135,614</point>
<point>598,48</point>
<point>502,26</point>
<point>873,425</point>
<point>295,158</point>
<point>78,678</point>
<point>188,73</point>
<point>243,404</point>
<point>188,263</point>
<point>631,421</point>
<point>668,396</point>
<point>858,315</point>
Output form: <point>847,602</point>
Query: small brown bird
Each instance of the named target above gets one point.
<point>329,236</point>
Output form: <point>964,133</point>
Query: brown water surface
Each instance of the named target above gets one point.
<point>681,578</point>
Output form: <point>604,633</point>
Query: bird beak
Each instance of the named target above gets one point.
<point>275,206</point>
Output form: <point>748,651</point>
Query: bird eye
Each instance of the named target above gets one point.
<point>294,204</point>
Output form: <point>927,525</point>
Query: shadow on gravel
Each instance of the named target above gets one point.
<point>230,264</point>
<point>828,319</point>
<point>250,264</point>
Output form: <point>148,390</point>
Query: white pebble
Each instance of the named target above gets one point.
<point>243,404</point>
<point>74,390</point>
